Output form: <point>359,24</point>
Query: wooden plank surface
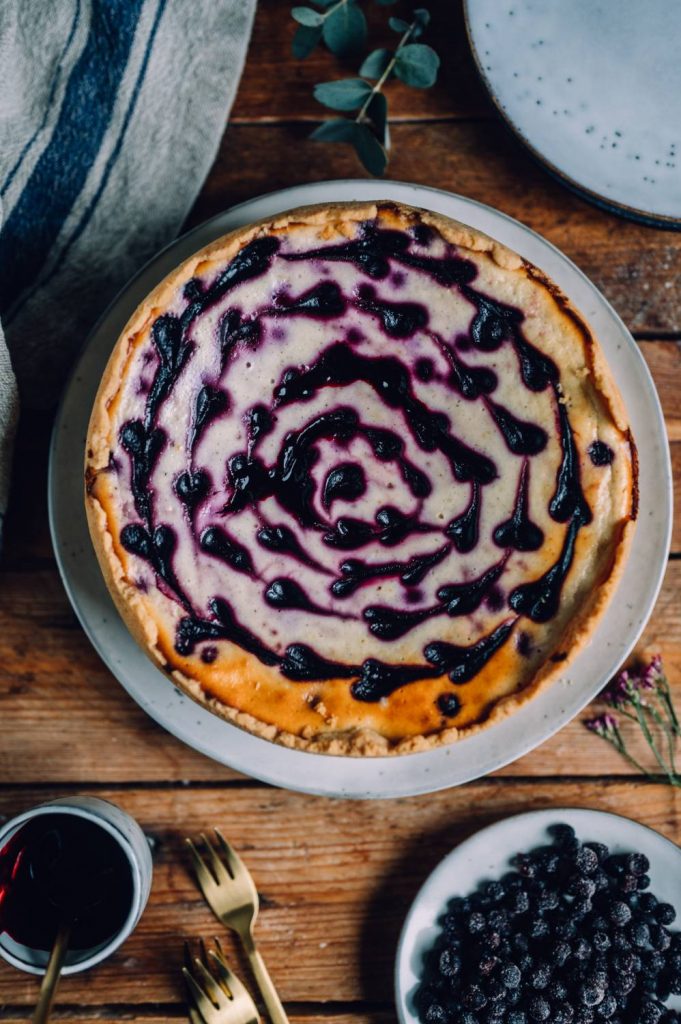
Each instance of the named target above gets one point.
<point>336,879</point>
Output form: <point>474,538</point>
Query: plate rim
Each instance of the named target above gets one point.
<point>344,788</point>
<point>560,813</point>
<point>633,213</point>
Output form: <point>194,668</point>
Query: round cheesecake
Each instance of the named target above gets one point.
<point>359,479</point>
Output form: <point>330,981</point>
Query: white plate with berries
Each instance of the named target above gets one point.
<point>560,916</point>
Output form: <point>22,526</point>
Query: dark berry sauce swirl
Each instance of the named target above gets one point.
<point>312,455</point>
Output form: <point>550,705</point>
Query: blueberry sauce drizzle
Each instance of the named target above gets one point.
<point>157,549</point>
<point>519,532</point>
<point>464,530</point>
<point>346,482</point>
<point>283,541</point>
<point>568,501</point>
<point>339,366</point>
<point>286,593</point>
<point>192,488</point>
<point>217,542</point>
<point>290,481</point>
<point>210,402</point>
<point>540,599</point>
<point>521,437</point>
<point>600,453</point>
<point>414,571</point>
<point>144,446</point>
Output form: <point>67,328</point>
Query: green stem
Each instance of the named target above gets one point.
<point>650,739</point>
<point>666,700</point>
<point>386,74</point>
<point>618,744</point>
<point>668,733</point>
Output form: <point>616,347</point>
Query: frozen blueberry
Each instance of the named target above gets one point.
<point>620,913</point>
<point>664,912</point>
<point>608,1007</point>
<point>539,1009</point>
<point>581,949</point>
<point>516,1017</point>
<point>600,941</point>
<point>640,934</point>
<point>650,1013</point>
<point>476,922</point>
<point>637,864</point>
<point>510,975</point>
<point>591,995</point>
<point>450,963</point>
<point>540,976</point>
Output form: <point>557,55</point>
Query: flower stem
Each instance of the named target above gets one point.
<point>650,739</point>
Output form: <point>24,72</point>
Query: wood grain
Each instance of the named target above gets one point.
<point>336,879</point>
<point>457,94</point>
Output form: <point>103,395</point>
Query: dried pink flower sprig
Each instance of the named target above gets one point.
<point>645,698</point>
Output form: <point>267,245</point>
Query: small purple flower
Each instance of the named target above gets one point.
<point>654,673</point>
<point>603,725</point>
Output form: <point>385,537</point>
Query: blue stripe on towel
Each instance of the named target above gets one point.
<point>59,175</point>
<point>113,156</point>
<point>50,101</point>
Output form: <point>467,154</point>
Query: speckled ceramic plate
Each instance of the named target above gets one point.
<point>486,855</point>
<point>409,774</point>
<point>594,90</point>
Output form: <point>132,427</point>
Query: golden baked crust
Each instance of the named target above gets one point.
<point>322,714</point>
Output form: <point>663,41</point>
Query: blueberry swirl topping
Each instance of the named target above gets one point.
<point>331,450</point>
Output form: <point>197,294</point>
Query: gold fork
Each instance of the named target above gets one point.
<point>217,995</point>
<point>230,892</point>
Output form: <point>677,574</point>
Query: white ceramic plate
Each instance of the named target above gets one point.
<point>486,856</point>
<point>347,776</point>
<point>594,90</point>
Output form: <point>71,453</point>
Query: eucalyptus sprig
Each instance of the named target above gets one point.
<point>341,24</point>
<point>644,698</point>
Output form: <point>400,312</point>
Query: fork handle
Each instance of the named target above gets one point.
<point>275,1010</point>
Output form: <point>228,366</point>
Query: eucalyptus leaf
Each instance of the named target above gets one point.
<point>375,64</point>
<point>345,94</point>
<point>386,3</point>
<point>421,22</point>
<point>417,65</point>
<point>399,25</point>
<point>324,3</point>
<point>345,30</point>
<point>337,130</point>
<point>377,112</point>
<point>305,40</point>
<point>306,16</point>
<point>370,151</point>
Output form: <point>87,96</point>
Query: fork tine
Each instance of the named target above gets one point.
<point>218,868</point>
<point>211,986</point>
<point>227,977</point>
<point>203,1004</point>
<point>194,1016</point>
<point>234,862</point>
<point>203,874</point>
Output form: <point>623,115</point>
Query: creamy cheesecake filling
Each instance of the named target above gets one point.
<point>325,452</point>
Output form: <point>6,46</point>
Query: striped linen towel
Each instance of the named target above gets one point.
<point>111,113</point>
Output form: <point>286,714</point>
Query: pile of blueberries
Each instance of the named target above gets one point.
<point>570,936</point>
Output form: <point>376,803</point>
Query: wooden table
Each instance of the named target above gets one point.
<point>336,878</point>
